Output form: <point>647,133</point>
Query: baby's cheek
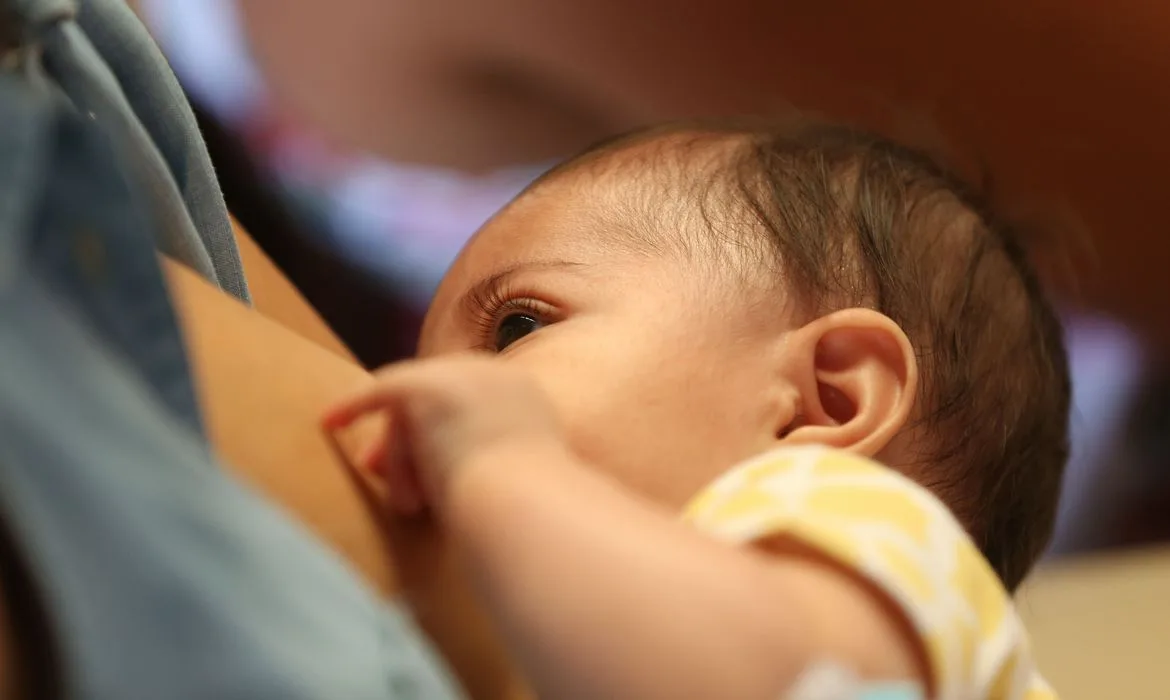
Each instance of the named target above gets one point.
<point>632,414</point>
<point>606,428</point>
<point>641,450</point>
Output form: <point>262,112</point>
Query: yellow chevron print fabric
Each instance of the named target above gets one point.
<point>897,535</point>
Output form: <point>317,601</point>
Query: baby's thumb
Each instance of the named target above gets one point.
<point>347,410</point>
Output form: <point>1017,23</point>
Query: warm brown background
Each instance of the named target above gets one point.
<point>1064,102</point>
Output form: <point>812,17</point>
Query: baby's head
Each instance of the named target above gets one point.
<point>692,296</point>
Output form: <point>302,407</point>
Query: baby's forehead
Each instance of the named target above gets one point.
<point>664,157</point>
<point>626,208</point>
<point>657,193</point>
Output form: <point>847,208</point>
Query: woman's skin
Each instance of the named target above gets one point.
<point>263,409</point>
<point>1064,104</point>
<point>275,297</point>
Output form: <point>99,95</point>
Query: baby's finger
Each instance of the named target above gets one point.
<point>386,459</point>
<point>404,491</point>
<point>374,458</point>
<point>375,397</point>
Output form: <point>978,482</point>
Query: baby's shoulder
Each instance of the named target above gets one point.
<point>895,535</point>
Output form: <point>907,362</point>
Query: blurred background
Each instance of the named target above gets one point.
<point>361,142</point>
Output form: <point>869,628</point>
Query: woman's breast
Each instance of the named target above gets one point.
<point>262,389</point>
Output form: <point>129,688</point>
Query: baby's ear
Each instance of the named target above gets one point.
<point>857,379</point>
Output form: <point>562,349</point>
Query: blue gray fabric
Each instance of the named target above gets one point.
<point>98,55</point>
<point>164,578</point>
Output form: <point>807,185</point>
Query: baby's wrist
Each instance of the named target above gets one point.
<point>493,479</point>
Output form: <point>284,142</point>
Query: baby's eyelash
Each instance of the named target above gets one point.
<point>485,305</point>
<point>491,305</point>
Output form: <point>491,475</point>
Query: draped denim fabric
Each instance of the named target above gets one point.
<point>99,57</point>
<point>161,575</point>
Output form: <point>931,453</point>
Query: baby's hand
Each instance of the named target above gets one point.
<point>440,412</point>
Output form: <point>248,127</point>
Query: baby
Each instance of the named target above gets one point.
<point>816,345</point>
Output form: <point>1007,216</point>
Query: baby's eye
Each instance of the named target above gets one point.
<point>514,327</point>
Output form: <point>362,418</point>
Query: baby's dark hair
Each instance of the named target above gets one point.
<point>854,219</point>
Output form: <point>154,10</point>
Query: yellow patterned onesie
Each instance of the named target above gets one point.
<point>898,536</point>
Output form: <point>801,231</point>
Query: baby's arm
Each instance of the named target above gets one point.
<point>600,594</point>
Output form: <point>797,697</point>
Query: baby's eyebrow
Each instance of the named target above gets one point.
<point>488,286</point>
